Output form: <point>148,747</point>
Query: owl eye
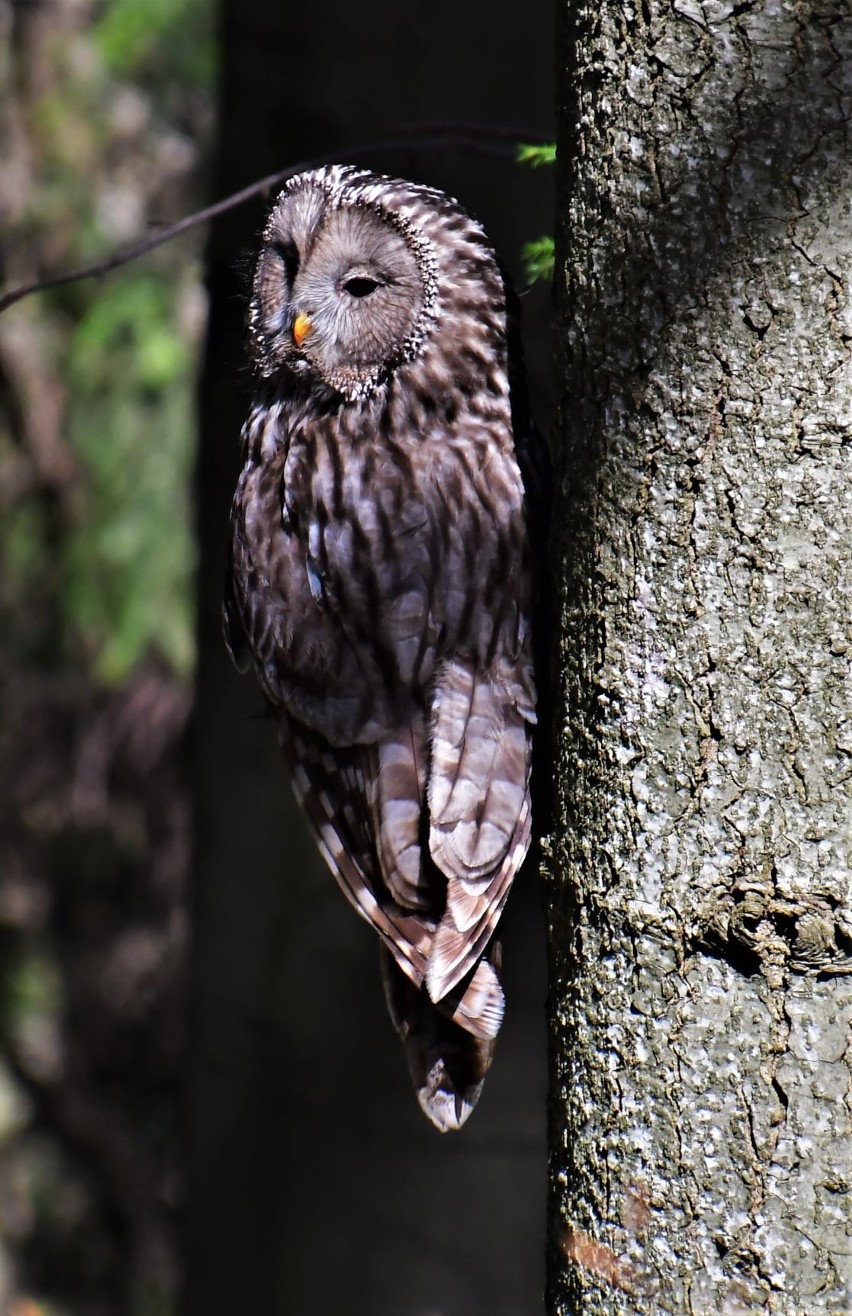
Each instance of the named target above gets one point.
<point>360,286</point>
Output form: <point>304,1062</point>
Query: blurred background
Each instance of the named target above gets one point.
<point>203,1106</point>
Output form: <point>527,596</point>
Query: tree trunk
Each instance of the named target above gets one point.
<point>699,875</point>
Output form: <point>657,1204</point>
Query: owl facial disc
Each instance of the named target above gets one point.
<point>342,289</point>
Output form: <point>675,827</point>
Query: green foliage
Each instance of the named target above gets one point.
<point>101,568</point>
<point>538,259</point>
<point>538,255</point>
<point>537,155</point>
<point>129,566</point>
<point>159,39</point>
<point>111,114</point>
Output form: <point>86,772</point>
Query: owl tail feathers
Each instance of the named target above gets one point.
<point>449,1046</point>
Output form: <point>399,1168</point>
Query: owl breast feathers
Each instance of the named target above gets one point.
<point>380,586</point>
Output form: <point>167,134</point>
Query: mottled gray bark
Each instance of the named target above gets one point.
<point>700,868</point>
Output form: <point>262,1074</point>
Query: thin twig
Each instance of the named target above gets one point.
<point>481,138</point>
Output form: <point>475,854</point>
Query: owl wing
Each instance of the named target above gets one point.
<point>350,799</point>
<point>335,788</point>
<point>395,772</point>
<point>479,808</point>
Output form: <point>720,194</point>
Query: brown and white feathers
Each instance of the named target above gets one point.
<point>380,587</point>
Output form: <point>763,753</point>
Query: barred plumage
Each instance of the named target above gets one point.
<point>380,586</point>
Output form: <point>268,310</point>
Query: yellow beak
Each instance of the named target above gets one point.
<point>301,328</point>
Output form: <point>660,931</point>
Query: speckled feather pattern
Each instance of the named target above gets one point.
<point>380,587</point>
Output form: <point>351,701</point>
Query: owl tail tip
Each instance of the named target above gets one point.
<point>447,1061</point>
<point>442,1104</point>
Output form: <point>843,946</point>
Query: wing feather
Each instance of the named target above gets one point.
<point>332,789</point>
<point>479,805</point>
<point>397,769</point>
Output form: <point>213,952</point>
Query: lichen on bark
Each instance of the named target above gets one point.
<point>699,870</point>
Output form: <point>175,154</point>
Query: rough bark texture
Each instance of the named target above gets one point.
<point>699,878</point>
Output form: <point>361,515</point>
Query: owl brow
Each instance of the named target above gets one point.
<point>316,230</point>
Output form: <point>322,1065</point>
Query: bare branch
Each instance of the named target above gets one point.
<point>480,138</point>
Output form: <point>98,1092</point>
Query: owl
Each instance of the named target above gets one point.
<point>380,585</point>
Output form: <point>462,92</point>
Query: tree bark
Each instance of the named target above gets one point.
<point>698,881</point>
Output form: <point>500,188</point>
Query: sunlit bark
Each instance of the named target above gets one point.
<point>699,878</point>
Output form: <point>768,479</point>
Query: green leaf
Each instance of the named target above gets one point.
<point>538,259</point>
<point>536,156</point>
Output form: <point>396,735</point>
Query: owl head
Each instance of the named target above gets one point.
<point>346,288</point>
